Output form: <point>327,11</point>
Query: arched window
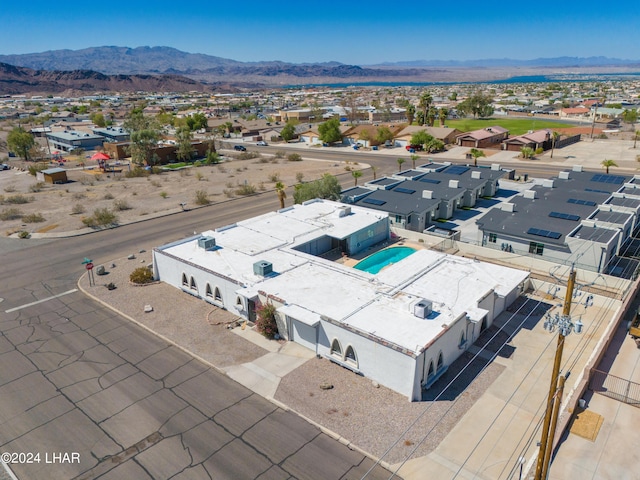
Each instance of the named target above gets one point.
<point>440,362</point>
<point>239,301</point>
<point>208,291</point>
<point>217,297</point>
<point>185,282</point>
<point>350,355</point>
<point>192,284</point>
<point>336,348</point>
<point>431,372</point>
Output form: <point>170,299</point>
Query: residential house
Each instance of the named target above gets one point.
<point>534,140</point>
<point>489,137</point>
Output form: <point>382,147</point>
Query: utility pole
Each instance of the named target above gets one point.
<point>564,326</point>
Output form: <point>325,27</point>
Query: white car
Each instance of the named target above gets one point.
<point>4,166</point>
<point>262,144</point>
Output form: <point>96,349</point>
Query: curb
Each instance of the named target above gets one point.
<point>275,402</point>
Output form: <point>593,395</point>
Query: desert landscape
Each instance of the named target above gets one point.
<point>27,205</point>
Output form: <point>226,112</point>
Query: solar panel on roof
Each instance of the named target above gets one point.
<point>374,201</point>
<point>596,190</point>
<point>582,202</point>
<point>404,190</point>
<point>544,233</point>
<point>429,180</point>
<point>565,216</point>
<point>456,170</point>
<point>605,178</point>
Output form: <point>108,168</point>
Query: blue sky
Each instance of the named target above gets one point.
<point>359,33</point>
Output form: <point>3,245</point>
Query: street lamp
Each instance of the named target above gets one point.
<point>563,324</point>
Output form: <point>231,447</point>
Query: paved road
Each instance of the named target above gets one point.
<point>77,379</point>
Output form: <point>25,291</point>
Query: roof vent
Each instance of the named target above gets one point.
<point>262,268</point>
<point>428,194</point>
<point>454,183</point>
<point>563,175</point>
<point>508,207</point>
<point>423,308</point>
<point>477,174</point>
<point>577,168</point>
<point>530,194</point>
<point>208,243</point>
<point>547,182</point>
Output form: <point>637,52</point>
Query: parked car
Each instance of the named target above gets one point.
<point>240,148</point>
<point>4,166</point>
<point>414,148</point>
<point>262,144</point>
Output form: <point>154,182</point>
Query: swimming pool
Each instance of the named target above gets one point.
<point>377,261</point>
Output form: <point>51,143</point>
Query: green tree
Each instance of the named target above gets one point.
<point>400,162</point>
<point>453,96</point>
<point>384,135</point>
<point>425,104</point>
<point>478,105</point>
<point>421,138</point>
<point>608,163</point>
<point>414,157</point>
<point>98,119</point>
<point>184,137</point>
<point>288,132</point>
<point>476,154</point>
<point>411,113</point>
<point>356,174</point>
<point>630,116</point>
<point>330,131</point>
<point>280,191</point>
<point>21,142</point>
<point>144,134</point>
<point>442,115</point>
<point>196,121</point>
<point>526,152</point>
<point>326,187</point>
<point>434,145</point>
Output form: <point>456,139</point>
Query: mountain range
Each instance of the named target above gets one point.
<point>112,68</point>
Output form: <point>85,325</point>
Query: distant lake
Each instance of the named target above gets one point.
<point>553,78</point>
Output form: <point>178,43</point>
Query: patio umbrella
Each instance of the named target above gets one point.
<point>100,156</point>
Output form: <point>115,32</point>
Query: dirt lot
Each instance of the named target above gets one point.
<point>26,205</point>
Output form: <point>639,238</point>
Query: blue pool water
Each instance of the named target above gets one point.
<point>376,262</point>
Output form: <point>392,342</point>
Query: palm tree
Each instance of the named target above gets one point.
<point>411,113</point>
<point>527,152</point>
<point>476,154</point>
<point>608,163</point>
<point>356,174</point>
<point>400,162</point>
<point>374,170</point>
<point>414,157</point>
<point>281,193</point>
<point>554,139</point>
<point>635,138</point>
<point>443,113</point>
<point>425,104</point>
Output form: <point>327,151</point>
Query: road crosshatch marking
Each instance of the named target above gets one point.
<point>26,305</point>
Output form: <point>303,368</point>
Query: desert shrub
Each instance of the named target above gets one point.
<point>266,320</point>
<point>137,172</point>
<point>262,187</point>
<point>77,209</point>
<point>155,183</point>
<point>279,154</point>
<point>248,155</point>
<point>202,198</point>
<point>108,196</point>
<point>199,176</point>
<point>33,218</point>
<point>245,189</point>
<point>18,199</point>
<point>221,169</point>
<point>10,214</point>
<point>10,188</point>
<point>156,170</point>
<point>38,167</point>
<point>274,177</point>
<point>185,172</point>
<point>87,181</point>
<point>121,205</point>
<point>24,234</point>
<point>141,275</point>
<point>79,196</point>
<point>294,157</point>
<point>164,194</point>
<point>228,193</point>
<point>102,217</point>
<point>299,177</point>
<point>36,187</point>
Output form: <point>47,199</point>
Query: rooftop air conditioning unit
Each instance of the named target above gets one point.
<point>422,308</point>
<point>207,243</point>
<point>343,211</point>
<point>262,268</point>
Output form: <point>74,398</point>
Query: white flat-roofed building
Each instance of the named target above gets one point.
<point>401,327</point>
